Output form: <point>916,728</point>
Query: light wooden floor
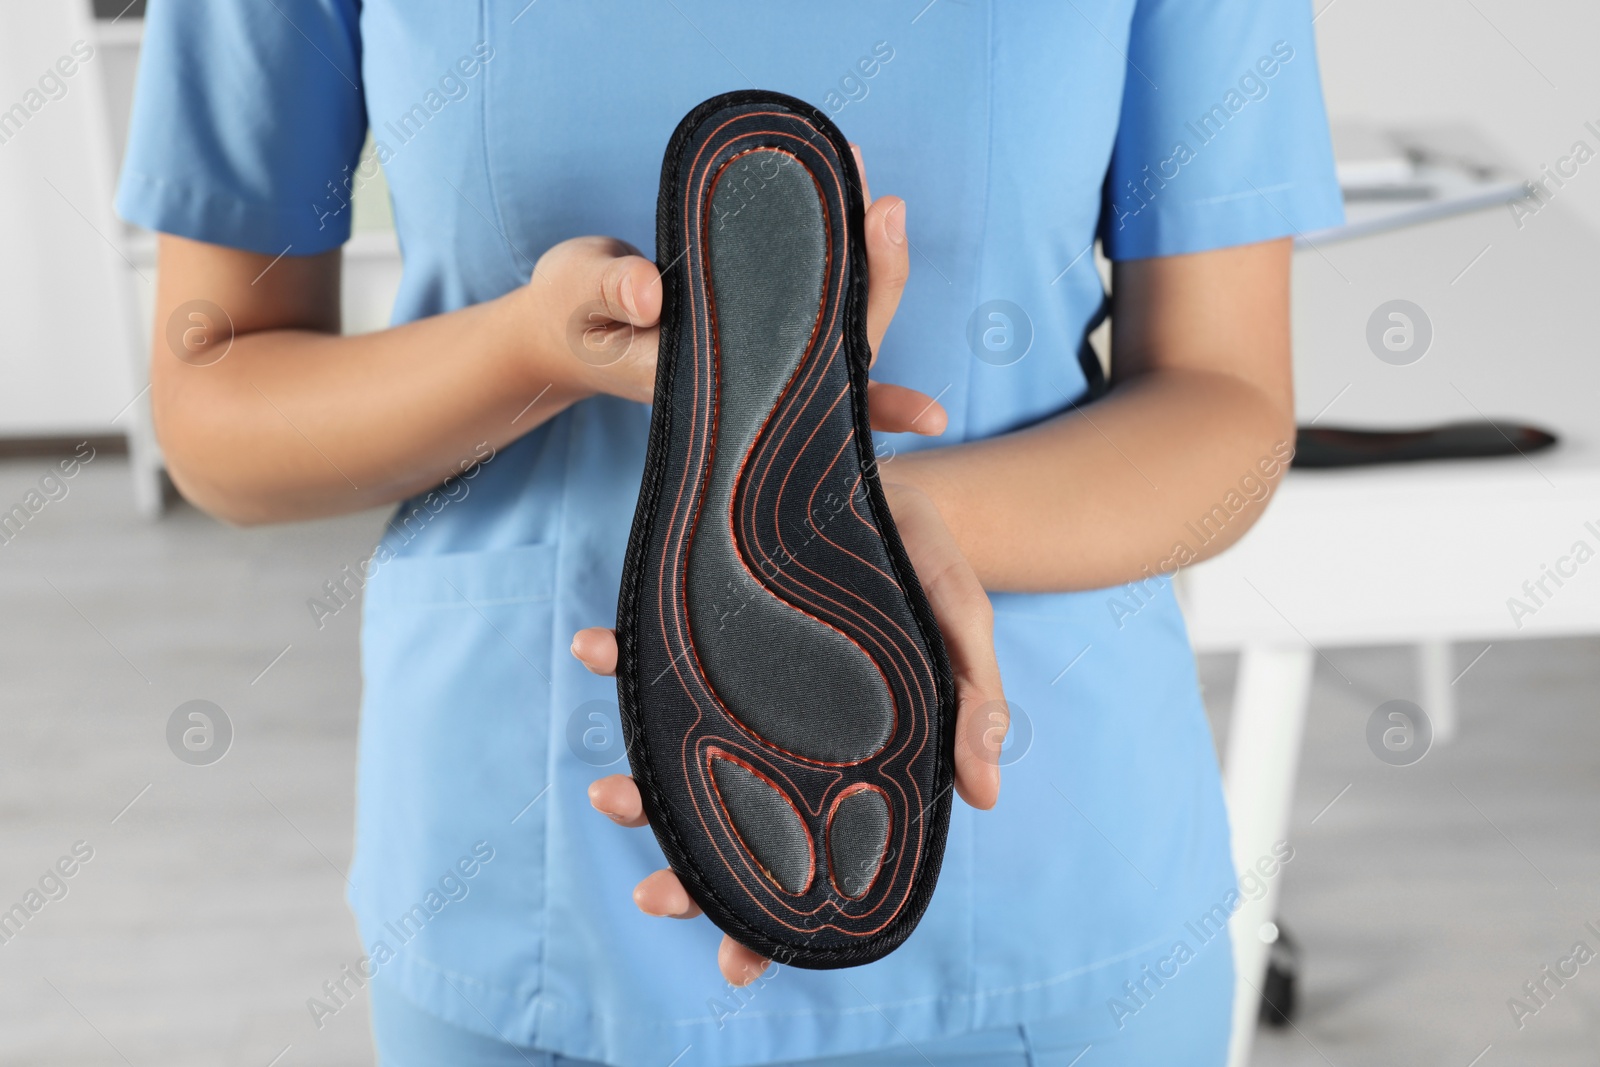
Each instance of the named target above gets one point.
<point>1426,895</point>
<point>213,906</point>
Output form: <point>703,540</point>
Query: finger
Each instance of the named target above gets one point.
<point>596,648</point>
<point>896,409</point>
<point>966,620</point>
<point>861,169</point>
<point>888,265</point>
<point>983,719</point>
<point>662,894</point>
<point>740,966</point>
<point>629,290</point>
<point>616,796</point>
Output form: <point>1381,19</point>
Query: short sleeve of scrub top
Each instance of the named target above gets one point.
<point>256,115</point>
<point>486,891</point>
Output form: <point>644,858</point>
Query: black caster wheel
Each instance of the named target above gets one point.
<point>1278,995</point>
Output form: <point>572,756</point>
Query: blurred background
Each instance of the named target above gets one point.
<point>1401,660</point>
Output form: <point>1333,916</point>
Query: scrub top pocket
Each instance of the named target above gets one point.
<point>453,766</point>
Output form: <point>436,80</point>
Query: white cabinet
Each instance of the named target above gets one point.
<point>77,286</point>
<point>66,320</point>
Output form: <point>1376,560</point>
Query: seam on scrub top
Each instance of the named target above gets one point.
<point>967,404</point>
<point>1228,197</point>
<point>488,163</point>
<point>1080,596</point>
<point>1026,987</point>
<point>438,605</point>
<point>540,998</point>
<point>551,748</point>
<point>466,979</point>
<point>241,209</point>
<point>983,217</point>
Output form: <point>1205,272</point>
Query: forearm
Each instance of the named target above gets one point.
<point>297,423</point>
<point>1108,493</point>
<point>292,420</point>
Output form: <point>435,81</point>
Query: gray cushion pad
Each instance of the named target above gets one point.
<point>789,677</point>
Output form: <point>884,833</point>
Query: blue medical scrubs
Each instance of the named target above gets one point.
<point>490,898</point>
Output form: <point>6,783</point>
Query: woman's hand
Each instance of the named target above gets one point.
<point>967,623</point>
<point>595,306</point>
<point>954,592</point>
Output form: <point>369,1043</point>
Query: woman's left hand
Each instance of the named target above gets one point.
<point>959,602</point>
<point>967,624</point>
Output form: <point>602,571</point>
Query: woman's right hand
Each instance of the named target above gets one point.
<point>594,304</point>
<point>274,414</point>
<point>280,416</point>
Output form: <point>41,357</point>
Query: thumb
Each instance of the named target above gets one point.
<point>605,291</point>
<point>626,286</point>
<point>888,264</point>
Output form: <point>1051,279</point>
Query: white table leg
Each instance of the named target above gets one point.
<point>1434,666</point>
<point>145,464</point>
<point>1269,713</point>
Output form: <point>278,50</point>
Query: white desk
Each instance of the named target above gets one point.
<point>1421,554</point>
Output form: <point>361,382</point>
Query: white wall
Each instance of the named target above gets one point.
<point>1524,72</point>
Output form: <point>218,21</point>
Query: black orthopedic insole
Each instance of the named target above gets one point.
<point>785,695</point>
